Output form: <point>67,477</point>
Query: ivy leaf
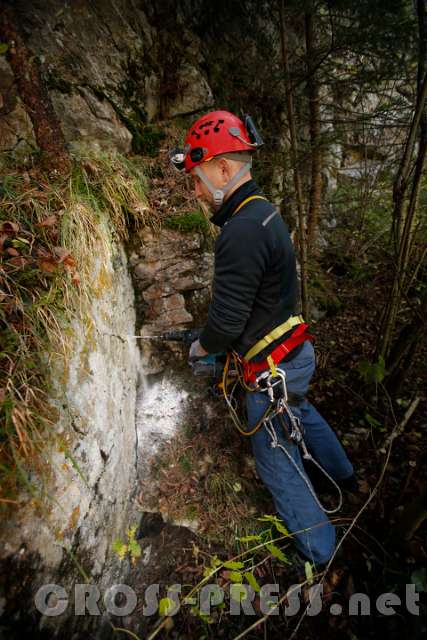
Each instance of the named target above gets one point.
<point>167,607</point>
<point>216,562</point>
<point>249,539</point>
<point>277,553</point>
<point>252,581</point>
<point>120,548</point>
<point>308,573</point>
<point>131,532</point>
<point>235,576</point>
<point>134,549</point>
<point>373,422</point>
<point>281,527</point>
<point>234,565</point>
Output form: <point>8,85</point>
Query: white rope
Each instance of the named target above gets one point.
<point>276,444</point>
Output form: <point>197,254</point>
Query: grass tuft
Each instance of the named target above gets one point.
<point>49,233</point>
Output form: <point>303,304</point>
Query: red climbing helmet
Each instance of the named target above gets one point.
<point>215,133</point>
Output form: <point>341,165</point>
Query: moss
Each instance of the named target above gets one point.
<point>148,140</point>
<point>187,222</point>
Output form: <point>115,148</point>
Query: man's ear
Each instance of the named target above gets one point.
<point>224,165</point>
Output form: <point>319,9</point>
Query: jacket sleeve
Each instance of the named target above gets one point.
<point>241,258</point>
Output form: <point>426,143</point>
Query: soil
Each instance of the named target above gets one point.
<point>375,559</point>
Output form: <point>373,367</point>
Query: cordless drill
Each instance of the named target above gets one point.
<point>210,366</point>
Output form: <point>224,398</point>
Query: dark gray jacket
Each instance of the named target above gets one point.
<point>255,281</point>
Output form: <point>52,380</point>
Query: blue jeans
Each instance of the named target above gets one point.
<point>314,533</point>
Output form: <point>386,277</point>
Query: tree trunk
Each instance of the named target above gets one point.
<point>316,152</point>
<point>404,218</point>
<point>34,94</point>
<point>404,349</point>
<point>412,516</point>
<point>294,157</point>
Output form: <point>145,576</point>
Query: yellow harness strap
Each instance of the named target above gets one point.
<point>271,337</point>
<point>272,366</point>
<point>242,204</point>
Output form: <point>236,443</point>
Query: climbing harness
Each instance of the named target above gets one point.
<point>266,377</point>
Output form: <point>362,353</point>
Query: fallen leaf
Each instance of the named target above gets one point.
<point>12,252</point>
<point>69,262</point>
<point>91,168</point>
<point>364,486</point>
<point>48,222</point>
<point>61,253</point>
<point>18,261</point>
<point>47,266</point>
<point>75,279</point>
<point>44,253</point>
<point>64,256</point>
<point>9,227</point>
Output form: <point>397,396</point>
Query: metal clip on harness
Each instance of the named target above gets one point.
<point>270,382</point>
<point>276,389</point>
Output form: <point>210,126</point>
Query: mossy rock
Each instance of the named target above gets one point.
<point>148,140</point>
<point>187,222</point>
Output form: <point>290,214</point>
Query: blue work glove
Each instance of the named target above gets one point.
<point>196,351</point>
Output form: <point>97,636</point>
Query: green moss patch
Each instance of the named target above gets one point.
<point>187,222</point>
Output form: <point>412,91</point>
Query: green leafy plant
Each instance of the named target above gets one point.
<point>131,547</point>
<point>373,422</point>
<point>372,372</point>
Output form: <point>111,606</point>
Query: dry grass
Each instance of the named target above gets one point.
<point>48,236</point>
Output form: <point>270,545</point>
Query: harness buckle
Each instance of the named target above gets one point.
<point>274,385</point>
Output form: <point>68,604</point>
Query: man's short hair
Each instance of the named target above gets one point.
<point>238,156</point>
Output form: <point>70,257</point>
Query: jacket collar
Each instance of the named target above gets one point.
<point>227,209</point>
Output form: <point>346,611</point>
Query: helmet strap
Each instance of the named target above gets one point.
<point>219,194</point>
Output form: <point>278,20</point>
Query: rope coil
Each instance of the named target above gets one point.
<point>277,407</point>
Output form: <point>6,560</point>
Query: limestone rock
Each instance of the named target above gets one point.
<point>172,273</point>
<point>87,503</point>
<point>194,92</point>
<point>16,130</point>
<point>90,122</point>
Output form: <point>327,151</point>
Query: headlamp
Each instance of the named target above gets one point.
<point>177,156</point>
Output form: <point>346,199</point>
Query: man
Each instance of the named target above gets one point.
<point>253,311</point>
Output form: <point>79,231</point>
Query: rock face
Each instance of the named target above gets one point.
<point>90,122</point>
<point>172,273</point>
<point>16,131</point>
<point>107,72</point>
<point>88,501</point>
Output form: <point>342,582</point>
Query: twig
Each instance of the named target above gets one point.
<point>399,428</point>
<point>352,525</point>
